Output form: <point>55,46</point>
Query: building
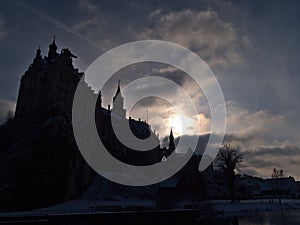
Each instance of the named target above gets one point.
<point>47,89</point>
<point>279,187</point>
<point>48,86</point>
<point>44,165</point>
<point>298,189</point>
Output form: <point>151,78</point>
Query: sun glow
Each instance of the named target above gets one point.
<point>182,125</point>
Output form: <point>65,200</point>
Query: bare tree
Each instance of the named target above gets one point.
<point>228,161</point>
<point>277,175</point>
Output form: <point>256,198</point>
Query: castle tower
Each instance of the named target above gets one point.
<point>52,50</point>
<point>48,90</point>
<point>168,151</point>
<point>171,142</point>
<point>118,103</point>
<point>38,54</point>
<point>99,100</point>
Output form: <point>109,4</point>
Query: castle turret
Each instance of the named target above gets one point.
<point>38,53</point>
<point>171,142</point>
<point>118,103</point>
<point>99,100</point>
<point>38,57</point>
<point>52,50</point>
<point>117,92</point>
<point>48,90</point>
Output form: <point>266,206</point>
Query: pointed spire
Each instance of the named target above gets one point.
<point>99,100</point>
<point>118,103</point>
<point>53,44</point>
<point>118,91</point>
<point>52,50</point>
<point>171,134</point>
<point>38,53</point>
<point>171,142</point>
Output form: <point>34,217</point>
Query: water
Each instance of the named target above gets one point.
<point>290,217</point>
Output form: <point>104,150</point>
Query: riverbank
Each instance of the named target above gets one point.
<point>107,218</point>
<point>226,208</point>
<point>218,208</point>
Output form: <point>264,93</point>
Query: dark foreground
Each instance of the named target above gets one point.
<point>172,217</point>
<point>144,217</point>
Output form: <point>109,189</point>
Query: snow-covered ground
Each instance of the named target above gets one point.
<point>87,206</point>
<point>252,206</point>
<point>221,207</point>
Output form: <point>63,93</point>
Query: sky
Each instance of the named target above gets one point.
<point>251,47</point>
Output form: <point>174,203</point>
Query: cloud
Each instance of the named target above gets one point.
<point>5,106</point>
<point>162,116</point>
<point>215,40</point>
<point>2,30</point>
<point>257,128</point>
<point>264,137</point>
<point>277,151</point>
<point>262,160</point>
<point>87,7</point>
<point>165,70</point>
<point>266,140</point>
<point>258,123</point>
<point>105,28</point>
<point>58,23</point>
<point>158,108</point>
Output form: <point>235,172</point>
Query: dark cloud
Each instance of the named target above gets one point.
<point>262,160</point>
<point>234,137</point>
<point>140,70</point>
<point>276,151</point>
<point>204,32</point>
<point>150,102</point>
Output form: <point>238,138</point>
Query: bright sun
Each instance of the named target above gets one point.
<point>175,124</point>
<point>182,125</point>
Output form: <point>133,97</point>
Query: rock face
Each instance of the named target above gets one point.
<point>40,164</point>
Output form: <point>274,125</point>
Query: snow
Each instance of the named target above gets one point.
<point>221,207</point>
<point>249,206</point>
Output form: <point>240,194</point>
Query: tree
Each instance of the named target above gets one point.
<point>228,161</point>
<point>277,175</point>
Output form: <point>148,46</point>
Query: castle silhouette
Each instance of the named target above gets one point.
<point>47,89</point>
<point>42,164</point>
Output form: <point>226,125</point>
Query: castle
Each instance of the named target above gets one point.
<point>43,165</point>
<point>48,86</point>
<point>47,89</point>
